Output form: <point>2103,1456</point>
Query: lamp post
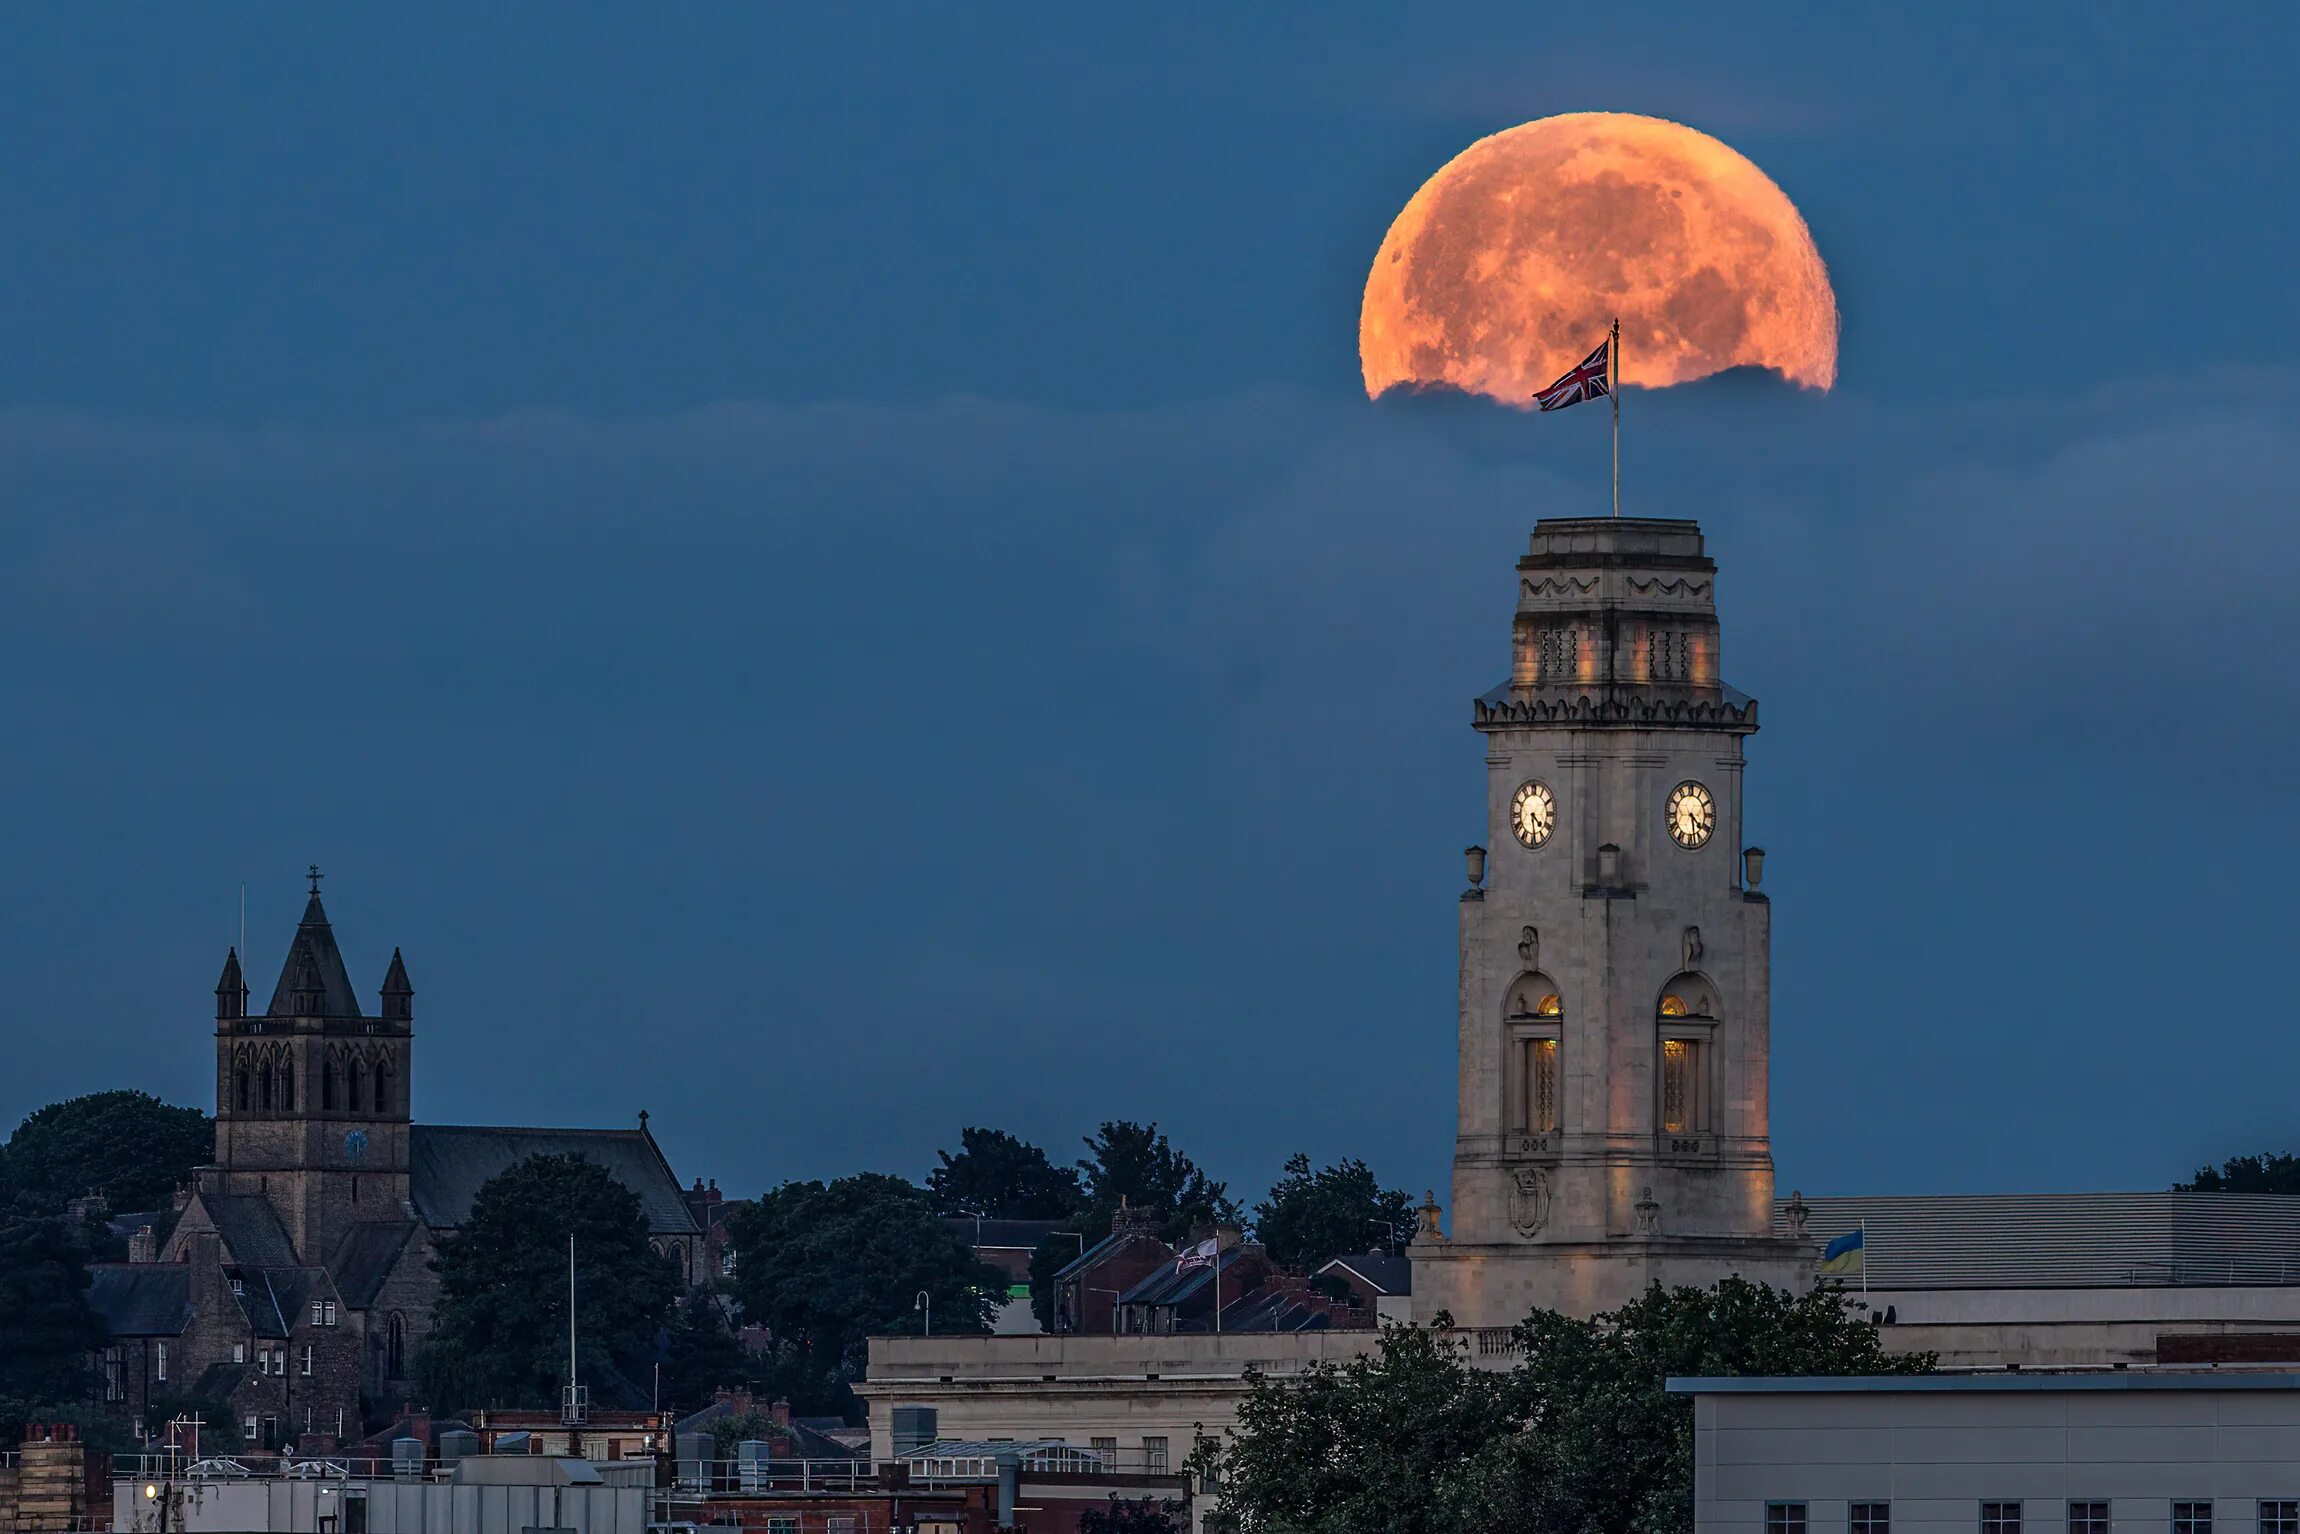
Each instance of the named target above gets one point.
<point>924,1305</point>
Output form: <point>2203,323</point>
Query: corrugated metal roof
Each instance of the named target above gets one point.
<point>449,1163</point>
<point>2065,1240</point>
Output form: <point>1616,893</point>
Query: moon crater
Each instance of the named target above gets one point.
<point>1510,263</point>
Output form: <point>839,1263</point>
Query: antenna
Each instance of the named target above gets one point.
<point>574,1407</point>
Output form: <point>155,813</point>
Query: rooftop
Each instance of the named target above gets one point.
<point>1994,1380</point>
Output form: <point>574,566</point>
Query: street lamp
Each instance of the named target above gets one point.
<point>924,1305</point>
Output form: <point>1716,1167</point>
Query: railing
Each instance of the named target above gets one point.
<point>1497,1342</point>
<point>667,1519</point>
<point>753,1475</point>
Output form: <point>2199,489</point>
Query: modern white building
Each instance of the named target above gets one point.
<point>2109,1451</point>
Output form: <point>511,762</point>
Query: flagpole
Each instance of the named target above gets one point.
<point>1864,1262</point>
<point>1613,388</point>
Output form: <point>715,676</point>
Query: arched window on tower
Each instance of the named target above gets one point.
<point>395,1347</point>
<point>351,1085</point>
<point>327,1086</point>
<point>1685,1029</point>
<point>1534,1075</point>
<point>287,1085</point>
<point>383,1086</point>
<point>240,1082</point>
<point>264,1087</point>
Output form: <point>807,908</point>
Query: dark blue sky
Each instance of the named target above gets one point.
<point>828,575</point>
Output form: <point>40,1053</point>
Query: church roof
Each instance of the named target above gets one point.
<point>274,1297</point>
<point>141,1299</point>
<point>250,1230</point>
<point>314,963</point>
<point>448,1164</point>
<point>364,1258</point>
<point>2064,1240</point>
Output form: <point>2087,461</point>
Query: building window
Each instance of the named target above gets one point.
<point>1680,1086</point>
<point>351,1085</point>
<point>382,1088</point>
<point>2275,1517</point>
<point>248,1427</point>
<point>839,1523</point>
<point>2192,1518</point>
<point>239,1352</point>
<point>1871,1518</point>
<point>327,1085</point>
<point>328,1313</point>
<point>240,1088</point>
<point>2000,1518</point>
<point>395,1347</point>
<point>2092,1518</point>
<point>782,1523</point>
<point>307,1358</point>
<point>1784,1518</point>
<point>1541,1085</point>
<point>239,1285</point>
<point>287,1087</point>
<point>111,1374</point>
<point>160,1361</point>
<point>316,1313</point>
<point>1154,1456</point>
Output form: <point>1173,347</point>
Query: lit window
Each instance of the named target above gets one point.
<point>1681,1087</point>
<point>2280,1517</point>
<point>1541,1085</point>
<point>1672,1006</point>
<point>2192,1518</point>
<point>1549,1006</point>
<point>160,1361</point>
<point>316,1312</point>
<point>782,1524</point>
<point>1869,1518</point>
<point>307,1358</point>
<point>239,1352</point>
<point>2092,1518</point>
<point>1784,1518</point>
<point>2000,1518</point>
<point>248,1427</point>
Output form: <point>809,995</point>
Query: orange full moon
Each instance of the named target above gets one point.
<point>1510,264</point>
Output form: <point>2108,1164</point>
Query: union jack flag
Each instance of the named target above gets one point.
<point>1589,379</point>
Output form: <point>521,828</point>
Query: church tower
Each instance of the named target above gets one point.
<point>1615,964</point>
<point>312,1094</point>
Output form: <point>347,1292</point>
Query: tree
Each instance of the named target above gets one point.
<point>1135,1163</point>
<point>47,1330</point>
<point>501,1334</point>
<point>1341,1448</point>
<point>1000,1177</point>
<point>128,1146</point>
<point>1311,1217</point>
<point>1132,1515</point>
<point>826,1266</point>
<point>1580,1435</point>
<point>2274,1173</point>
<point>701,1353</point>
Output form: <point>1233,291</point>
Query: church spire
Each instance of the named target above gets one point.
<point>398,995</point>
<point>231,990</point>
<point>313,982</point>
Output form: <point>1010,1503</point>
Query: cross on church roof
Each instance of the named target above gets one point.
<point>316,876</point>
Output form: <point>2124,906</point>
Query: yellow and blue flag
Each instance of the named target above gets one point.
<point>1845,1254</point>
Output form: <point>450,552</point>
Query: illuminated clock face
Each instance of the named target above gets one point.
<point>1533,813</point>
<point>1692,814</point>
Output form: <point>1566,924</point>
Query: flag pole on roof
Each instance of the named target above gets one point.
<point>1596,376</point>
<point>1613,388</point>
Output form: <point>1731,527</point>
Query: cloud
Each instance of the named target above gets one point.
<point>825,739</point>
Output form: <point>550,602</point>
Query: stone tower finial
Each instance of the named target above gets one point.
<point>231,990</point>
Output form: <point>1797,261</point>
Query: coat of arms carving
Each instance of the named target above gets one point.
<point>1529,1201</point>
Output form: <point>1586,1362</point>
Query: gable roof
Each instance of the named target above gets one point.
<point>1110,1246</point>
<point>2064,1240</point>
<point>364,1258</point>
<point>1168,1285</point>
<point>250,1229</point>
<point>1381,1272</point>
<point>274,1298</point>
<point>314,963</point>
<point>141,1299</point>
<point>448,1164</point>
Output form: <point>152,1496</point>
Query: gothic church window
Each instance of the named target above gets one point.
<point>382,1088</point>
<point>264,1086</point>
<point>351,1085</point>
<point>327,1085</point>
<point>240,1086</point>
<point>395,1347</point>
<point>287,1086</point>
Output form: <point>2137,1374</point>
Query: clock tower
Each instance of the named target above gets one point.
<point>1615,985</point>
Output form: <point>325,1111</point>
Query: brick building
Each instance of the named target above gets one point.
<point>298,1280</point>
